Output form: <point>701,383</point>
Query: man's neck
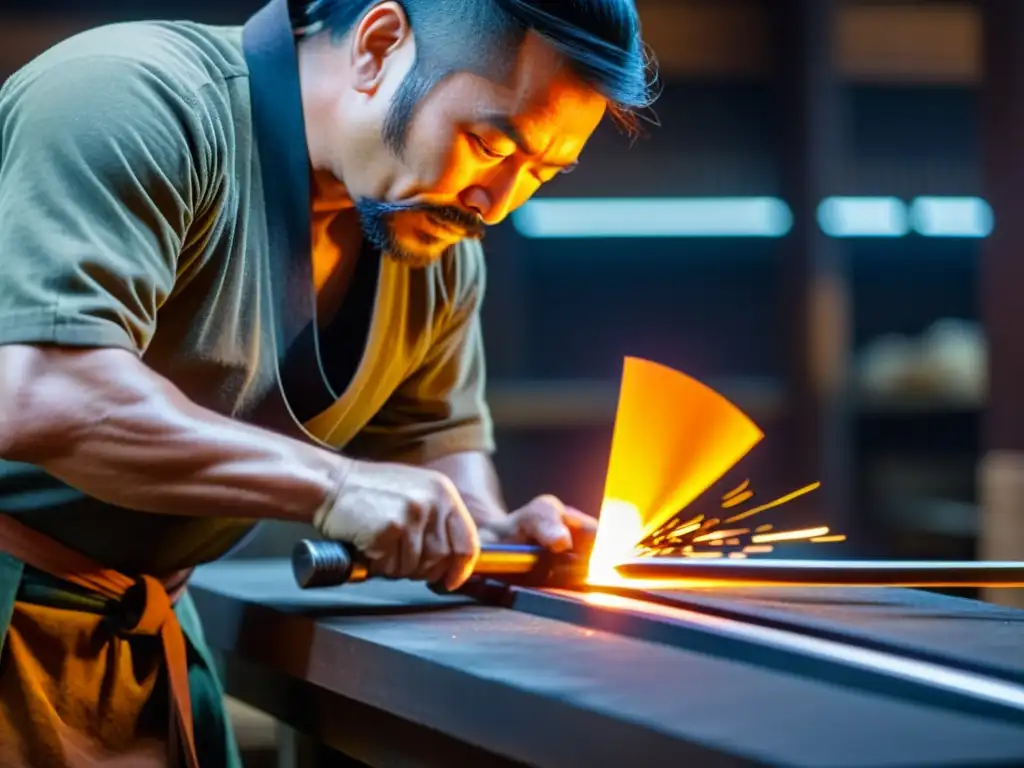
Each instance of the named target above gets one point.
<point>329,194</point>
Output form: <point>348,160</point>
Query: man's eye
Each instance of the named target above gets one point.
<point>484,147</point>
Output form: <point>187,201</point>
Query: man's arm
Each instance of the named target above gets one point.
<point>103,422</point>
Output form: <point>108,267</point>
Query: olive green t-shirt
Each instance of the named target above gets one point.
<point>132,216</point>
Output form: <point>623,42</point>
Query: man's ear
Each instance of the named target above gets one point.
<point>380,34</point>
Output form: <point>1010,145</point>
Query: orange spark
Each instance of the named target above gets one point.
<point>777,502</point>
<point>685,530</point>
<point>737,500</point>
<point>806,533</point>
<point>715,535</point>
<point>737,490</point>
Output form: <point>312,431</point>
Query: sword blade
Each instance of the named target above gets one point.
<point>836,573</point>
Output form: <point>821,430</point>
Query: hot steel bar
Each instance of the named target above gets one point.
<point>823,573</point>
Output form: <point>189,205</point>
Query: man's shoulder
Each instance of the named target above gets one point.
<point>155,89</point>
<point>183,56</point>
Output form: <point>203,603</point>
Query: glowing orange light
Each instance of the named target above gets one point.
<point>620,527</point>
<point>674,437</point>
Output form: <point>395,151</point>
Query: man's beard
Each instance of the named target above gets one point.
<point>375,217</point>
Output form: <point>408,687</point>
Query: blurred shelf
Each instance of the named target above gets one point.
<point>573,404</point>
<point>591,403</point>
<point>938,517</point>
<point>908,404</point>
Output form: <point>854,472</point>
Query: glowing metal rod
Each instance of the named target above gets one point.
<point>825,573</point>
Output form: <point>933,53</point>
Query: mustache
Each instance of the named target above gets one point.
<point>448,215</point>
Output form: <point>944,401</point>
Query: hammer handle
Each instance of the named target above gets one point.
<point>333,563</point>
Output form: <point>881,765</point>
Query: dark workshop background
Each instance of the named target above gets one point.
<point>806,230</point>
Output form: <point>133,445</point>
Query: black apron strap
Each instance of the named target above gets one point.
<point>270,54</point>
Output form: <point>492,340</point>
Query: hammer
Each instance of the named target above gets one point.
<point>326,563</point>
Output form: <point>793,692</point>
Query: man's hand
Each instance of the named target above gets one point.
<point>408,522</point>
<point>545,521</point>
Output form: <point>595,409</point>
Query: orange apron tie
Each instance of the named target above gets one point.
<point>146,600</point>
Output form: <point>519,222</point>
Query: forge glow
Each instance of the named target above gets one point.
<point>673,438</point>
<point>619,529</point>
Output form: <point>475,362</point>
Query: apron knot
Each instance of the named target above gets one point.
<point>144,608</point>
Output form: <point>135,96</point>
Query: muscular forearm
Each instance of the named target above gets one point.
<point>104,423</point>
<point>474,475</point>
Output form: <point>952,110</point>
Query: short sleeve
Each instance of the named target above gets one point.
<point>97,190</point>
<point>441,409</point>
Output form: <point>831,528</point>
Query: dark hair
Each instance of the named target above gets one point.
<point>599,38</point>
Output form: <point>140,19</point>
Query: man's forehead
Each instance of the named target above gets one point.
<point>540,72</point>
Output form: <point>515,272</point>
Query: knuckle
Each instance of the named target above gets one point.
<point>445,486</point>
<point>416,513</point>
<point>546,504</point>
<point>465,548</point>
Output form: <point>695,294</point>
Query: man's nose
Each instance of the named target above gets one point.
<point>494,198</point>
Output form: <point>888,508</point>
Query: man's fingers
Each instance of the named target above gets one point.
<point>543,521</point>
<point>411,549</point>
<point>578,521</point>
<point>465,547</point>
<point>385,556</point>
<point>583,527</point>
<point>436,549</point>
<point>436,573</point>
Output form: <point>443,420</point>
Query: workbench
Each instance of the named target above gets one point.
<point>391,674</point>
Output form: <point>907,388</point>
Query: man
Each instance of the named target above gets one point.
<point>241,281</point>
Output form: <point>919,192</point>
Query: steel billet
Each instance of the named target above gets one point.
<point>836,573</point>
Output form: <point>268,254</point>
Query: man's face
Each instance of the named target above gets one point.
<point>474,150</point>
